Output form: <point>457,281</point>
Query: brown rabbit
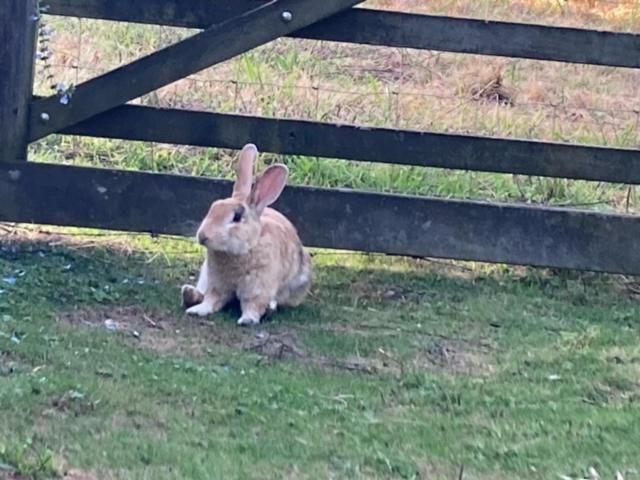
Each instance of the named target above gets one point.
<point>253,252</point>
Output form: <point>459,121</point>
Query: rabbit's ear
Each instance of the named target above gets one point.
<point>269,186</point>
<point>244,172</point>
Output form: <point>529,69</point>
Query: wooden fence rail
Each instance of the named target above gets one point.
<point>381,145</point>
<point>393,29</point>
<point>395,224</point>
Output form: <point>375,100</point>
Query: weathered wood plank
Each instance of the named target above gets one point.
<point>177,13</point>
<point>136,201</point>
<point>18,24</point>
<point>463,35</point>
<point>214,45</point>
<point>391,28</point>
<point>382,145</point>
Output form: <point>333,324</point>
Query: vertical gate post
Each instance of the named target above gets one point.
<point>18,25</point>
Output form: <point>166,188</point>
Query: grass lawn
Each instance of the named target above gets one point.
<point>393,369</point>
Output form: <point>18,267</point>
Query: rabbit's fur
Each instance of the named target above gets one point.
<point>253,252</point>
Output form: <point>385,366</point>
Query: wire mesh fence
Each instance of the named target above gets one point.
<point>373,86</point>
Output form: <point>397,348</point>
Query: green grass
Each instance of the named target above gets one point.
<point>401,369</point>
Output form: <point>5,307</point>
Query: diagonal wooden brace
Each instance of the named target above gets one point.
<point>214,45</point>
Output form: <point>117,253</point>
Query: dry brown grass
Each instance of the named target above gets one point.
<point>613,14</point>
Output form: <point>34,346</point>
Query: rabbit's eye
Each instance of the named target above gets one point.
<point>237,215</point>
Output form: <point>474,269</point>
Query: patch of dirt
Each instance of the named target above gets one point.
<point>6,363</point>
<point>284,346</point>
<point>454,356</point>
<point>76,474</point>
<point>156,330</point>
<point>433,352</point>
<point>163,333</point>
<point>437,356</point>
<point>613,392</point>
<point>274,346</point>
<point>10,364</point>
<point>73,474</point>
<point>630,286</point>
<point>364,290</point>
<point>178,334</point>
<point>18,239</point>
<point>74,403</point>
<point>133,419</point>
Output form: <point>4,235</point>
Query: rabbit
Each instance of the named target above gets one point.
<point>253,252</point>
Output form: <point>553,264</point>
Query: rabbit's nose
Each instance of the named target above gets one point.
<point>203,239</point>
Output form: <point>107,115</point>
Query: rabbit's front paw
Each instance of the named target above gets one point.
<point>202,310</point>
<point>191,296</point>
<point>247,320</point>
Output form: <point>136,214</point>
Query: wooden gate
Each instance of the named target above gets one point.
<point>333,218</point>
